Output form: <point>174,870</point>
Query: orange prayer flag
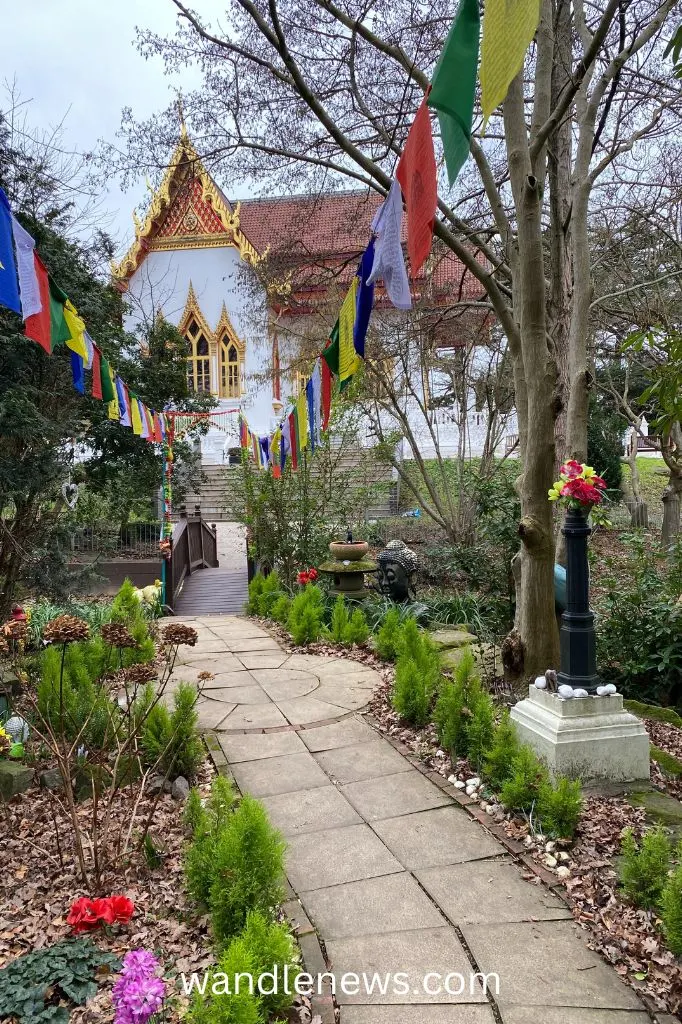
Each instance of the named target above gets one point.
<point>416,173</point>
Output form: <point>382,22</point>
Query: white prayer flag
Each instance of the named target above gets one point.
<point>29,289</point>
<point>89,345</point>
<point>389,263</point>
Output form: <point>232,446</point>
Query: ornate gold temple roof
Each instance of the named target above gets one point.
<point>187,211</point>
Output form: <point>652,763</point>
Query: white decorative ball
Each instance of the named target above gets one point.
<point>580,693</point>
<point>540,683</point>
<point>602,691</point>
<point>566,691</point>
<point>610,688</point>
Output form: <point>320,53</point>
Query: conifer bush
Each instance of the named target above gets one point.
<point>560,807</point>
<point>411,694</point>
<point>281,609</point>
<point>528,778</point>
<point>206,824</point>
<point>388,637</point>
<point>671,909</point>
<point>305,622</point>
<point>270,591</point>
<point>255,590</point>
<point>357,630</point>
<point>339,621</point>
<point>73,704</point>
<point>170,740</point>
<point>248,870</point>
<point>464,714</point>
<point>497,763</point>
<point>644,869</point>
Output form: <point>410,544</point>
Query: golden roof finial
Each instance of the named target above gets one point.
<point>181,117</point>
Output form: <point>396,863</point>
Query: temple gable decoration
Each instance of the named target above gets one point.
<point>215,358</point>
<point>187,211</point>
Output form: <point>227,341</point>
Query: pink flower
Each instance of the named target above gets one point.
<point>571,469</point>
<point>581,491</point>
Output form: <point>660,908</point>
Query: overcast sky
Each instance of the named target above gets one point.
<point>78,58</point>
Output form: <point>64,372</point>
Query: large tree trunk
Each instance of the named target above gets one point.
<point>535,368</point>
<point>672,495</point>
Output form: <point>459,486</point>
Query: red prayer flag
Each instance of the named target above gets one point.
<point>293,434</point>
<point>38,326</point>
<point>96,373</point>
<point>326,393</point>
<point>158,433</point>
<point>416,173</point>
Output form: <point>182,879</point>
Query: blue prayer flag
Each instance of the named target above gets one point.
<point>9,281</point>
<point>78,372</point>
<point>365,300</point>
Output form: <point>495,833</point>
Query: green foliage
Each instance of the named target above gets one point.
<point>234,863</point>
<point>170,741</point>
<point>77,707</point>
<point>387,642</point>
<point>306,616</point>
<point>270,592</point>
<point>357,630</point>
<point>498,762</point>
<point>411,694</point>
<point>207,824</point>
<point>652,711</point>
<point>248,872</point>
<point>263,947</point>
<point>666,762</point>
<point>640,625</point>
<point>152,855</point>
<point>605,444</point>
<point>417,645</point>
<point>464,714</point>
<point>671,909</point>
<point>255,593</point>
<point>281,609</point>
<point>125,607</point>
<point>644,869</point>
<point>560,807</point>
<point>67,969</point>
<point>528,779</point>
<point>339,623</point>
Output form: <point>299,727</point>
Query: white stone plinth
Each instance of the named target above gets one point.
<point>589,738</point>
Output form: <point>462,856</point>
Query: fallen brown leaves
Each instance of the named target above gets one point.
<point>36,890</point>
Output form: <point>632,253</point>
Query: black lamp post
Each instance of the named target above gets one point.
<point>577,636</point>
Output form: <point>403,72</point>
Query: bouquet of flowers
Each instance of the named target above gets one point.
<point>578,487</point>
<point>306,576</point>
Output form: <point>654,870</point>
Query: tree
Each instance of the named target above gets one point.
<point>335,92</point>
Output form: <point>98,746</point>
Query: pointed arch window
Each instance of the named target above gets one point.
<point>231,361</point>
<point>198,360</point>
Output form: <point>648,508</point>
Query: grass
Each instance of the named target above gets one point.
<point>652,482</point>
<point>666,762</point>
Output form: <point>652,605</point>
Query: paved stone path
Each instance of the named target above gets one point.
<point>393,873</point>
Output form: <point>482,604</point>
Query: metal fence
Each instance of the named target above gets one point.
<point>136,540</point>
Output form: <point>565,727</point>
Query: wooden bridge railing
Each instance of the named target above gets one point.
<point>194,546</point>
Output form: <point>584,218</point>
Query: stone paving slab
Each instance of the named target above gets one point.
<point>445,835</point>
<point>221,662</point>
<point>489,891</point>
<point>259,745</point>
<point>310,811</point>
<point>303,710</point>
<point>223,680</point>
<point>259,643</point>
<point>362,761</point>
<point>573,1015</point>
<point>393,795</point>
<point>245,695</point>
<point>279,775</point>
<point>261,659</point>
<point>282,685</point>
<point>337,855</point>
<point>391,903</point>
<point>212,713</point>
<point>341,734</point>
<point>424,1014</point>
<point>413,953</point>
<point>546,963</point>
<point>254,716</point>
<point>350,698</point>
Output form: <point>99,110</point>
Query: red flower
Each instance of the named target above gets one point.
<point>302,579</point>
<point>82,917</point>
<point>122,908</point>
<point>571,469</point>
<point>598,481</point>
<point>87,914</point>
<point>581,491</point>
<point>312,575</point>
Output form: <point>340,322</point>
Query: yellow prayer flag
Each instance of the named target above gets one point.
<point>349,360</point>
<point>302,413</point>
<point>508,30</point>
<point>135,418</point>
<point>112,409</point>
<point>76,329</point>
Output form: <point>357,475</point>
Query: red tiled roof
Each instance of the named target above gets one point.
<point>323,236</point>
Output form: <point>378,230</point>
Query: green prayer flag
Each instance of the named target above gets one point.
<point>59,329</point>
<point>331,353</point>
<point>108,393</point>
<point>453,88</point>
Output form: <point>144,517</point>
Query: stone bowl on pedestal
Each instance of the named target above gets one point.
<point>348,567</point>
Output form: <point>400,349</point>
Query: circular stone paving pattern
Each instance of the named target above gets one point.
<point>249,684</point>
